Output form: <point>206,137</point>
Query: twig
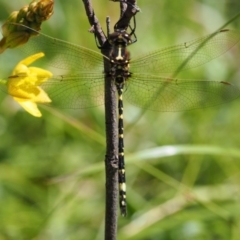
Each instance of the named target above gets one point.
<point>95,25</point>
<point>111,158</point>
<point>128,10</point>
<point>126,13</point>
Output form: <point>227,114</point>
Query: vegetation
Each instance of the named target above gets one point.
<point>183,168</point>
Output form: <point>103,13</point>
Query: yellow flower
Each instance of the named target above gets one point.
<point>23,85</point>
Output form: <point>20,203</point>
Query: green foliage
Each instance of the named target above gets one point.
<point>182,168</point>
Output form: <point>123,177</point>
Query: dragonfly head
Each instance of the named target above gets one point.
<point>120,37</point>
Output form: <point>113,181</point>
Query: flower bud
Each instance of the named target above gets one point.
<point>31,16</point>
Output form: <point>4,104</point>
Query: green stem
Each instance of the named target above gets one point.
<point>3,81</point>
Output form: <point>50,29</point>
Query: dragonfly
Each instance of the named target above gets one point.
<point>79,79</point>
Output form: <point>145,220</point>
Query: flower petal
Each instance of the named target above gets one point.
<point>20,70</point>
<point>27,61</point>
<point>19,87</point>
<point>41,97</point>
<point>42,75</point>
<point>29,106</point>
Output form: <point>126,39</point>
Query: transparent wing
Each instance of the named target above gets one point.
<point>67,91</point>
<point>63,55</point>
<point>165,94</point>
<point>187,55</point>
<point>78,80</point>
<point>80,91</point>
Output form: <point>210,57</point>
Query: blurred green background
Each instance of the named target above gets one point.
<point>183,169</point>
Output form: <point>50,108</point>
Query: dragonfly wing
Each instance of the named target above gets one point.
<point>62,54</point>
<point>167,94</point>
<point>187,55</point>
<point>75,91</point>
<point>66,91</point>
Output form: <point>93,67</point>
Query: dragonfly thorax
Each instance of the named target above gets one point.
<point>119,57</point>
